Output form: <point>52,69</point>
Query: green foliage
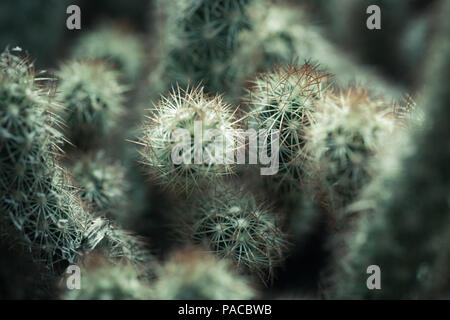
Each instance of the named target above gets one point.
<point>234,225</point>
<point>93,98</point>
<point>183,109</point>
<point>191,274</point>
<point>118,48</point>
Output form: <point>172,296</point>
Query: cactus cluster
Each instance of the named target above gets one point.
<point>119,49</point>
<point>33,197</point>
<point>37,198</point>
<point>361,173</point>
<point>406,229</point>
<point>199,39</point>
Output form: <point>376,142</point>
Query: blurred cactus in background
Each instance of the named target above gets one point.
<point>21,20</point>
<point>233,225</point>
<point>93,99</point>
<point>102,281</point>
<point>191,274</point>
<point>404,233</point>
<point>121,50</point>
<point>283,100</point>
<point>198,40</point>
<point>283,33</point>
<point>348,131</point>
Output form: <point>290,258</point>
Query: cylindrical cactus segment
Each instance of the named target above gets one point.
<point>92,96</point>
<point>283,100</point>
<point>103,281</point>
<point>187,138</point>
<point>341,142</point>
<point>233,225</point>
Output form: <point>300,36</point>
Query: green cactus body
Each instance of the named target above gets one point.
<point>283,100</point>
<point>406,230</point>
<point>102,184</point>
<point>119,49</point>
<point>233,225</point>
<point>192,111</point>
<point>93,98</point>
<point>191,274</point>
<point>199,39</point>
<point>102,281</point>
<point>47,215</point>
<point>347,133</point>
<point>37,200</point>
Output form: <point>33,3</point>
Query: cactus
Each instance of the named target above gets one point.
<point>406,229</point>
<point>233,225</point>
<point>361,180</point>
<point>37,199</point>
<point>102,281</point>
<point>93,97</point>
<point>378,47</point>
<point>283,100</point>
<point>199,39</point>
<point>347,132</point>
<point>120,50</point>
<point>191,274</point>
<point>282,33</point>
<point>102,184</point>
<point>31,196</point>
<point>186,109</point>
